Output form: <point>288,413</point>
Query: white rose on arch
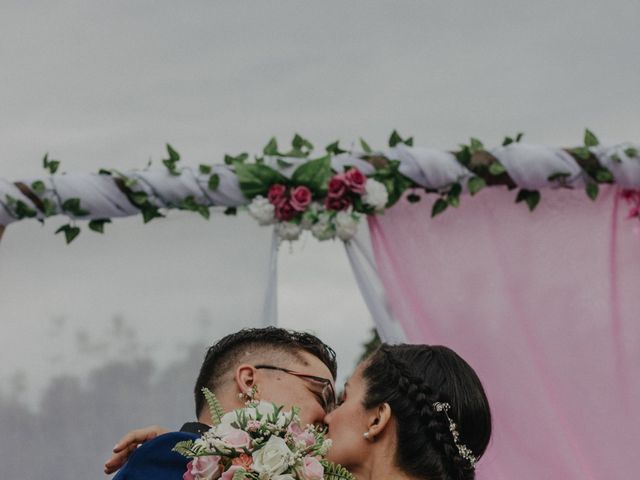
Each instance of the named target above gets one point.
<point>288,231</point>
<point>375,195</point>
<point>262,210</point>
<point>346,223</point>
<point>273,458</point>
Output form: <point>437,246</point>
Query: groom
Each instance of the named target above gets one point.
<point>280,366</point>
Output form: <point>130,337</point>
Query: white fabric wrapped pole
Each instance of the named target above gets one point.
<point>625,170</point>
<point>362,262</point>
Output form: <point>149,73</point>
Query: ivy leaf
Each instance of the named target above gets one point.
<point>413,198</point>
<point>334,148</point>
<point>475,184</point>
<point>104,171</point>
<point>464,155</point>
<point>301,146</point>
<point>49,208</point>
<point>519,136</point>
<point>603,175</point>
<point>631,152</point>
<point>230,160</point>
<point>590,140</point>
<point>283,164</point>
<point>230,211</point>
<point>581,152</point>
<point>394,139</point>
<point>255,179</point>
<point>38,187</point>
<point>271,148</point>
<point>530,197</point>
<point>439,206</point>
<point>314,174</point>
<point>139,198</point>
<point>70,232</point>
<point>475,145</point>
<point>173,155</point>
<point>507,141</point>
<point>98,224</point>
<point>558,176</point>
<point>204,169</point>
<point>72,205</point>
<point>214,181</point>
<point>496,168</point>
<point>592,190</point>
<point>51,165</point>
<point>149,212</point>
<point>365,146</point>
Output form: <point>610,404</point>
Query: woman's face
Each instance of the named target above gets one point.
<point>348,423</point>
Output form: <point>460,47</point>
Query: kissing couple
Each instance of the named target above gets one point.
<point>407,411</point>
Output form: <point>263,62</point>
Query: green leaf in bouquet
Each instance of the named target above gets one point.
<point>239,474</point>
<point>215,409</point>
<point>256,179</point>
<point>335,471</point>
<point>185,448</point>
<point>314,174</point>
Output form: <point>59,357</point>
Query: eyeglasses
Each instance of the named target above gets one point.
<point>328,395</point>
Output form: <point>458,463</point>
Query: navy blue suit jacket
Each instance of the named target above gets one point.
<point>154,460</point>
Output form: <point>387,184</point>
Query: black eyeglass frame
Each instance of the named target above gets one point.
<point>328,393</point>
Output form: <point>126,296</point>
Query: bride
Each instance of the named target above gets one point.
<point>407,412</point>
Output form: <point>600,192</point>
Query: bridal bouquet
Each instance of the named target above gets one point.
<point>259,442</point>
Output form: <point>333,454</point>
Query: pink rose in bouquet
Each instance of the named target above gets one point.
<point>203,468</point>
<point>311,469</point>
<point>355,180</point>
<point>237,439</point>
<point>300,198</point>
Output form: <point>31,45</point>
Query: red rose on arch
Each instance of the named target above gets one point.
<point>355,180</point>
<point>285,211</point>
<point>300,198</point>
<point>337,203</point>
<point>337,186</point>
<point>277,193</point>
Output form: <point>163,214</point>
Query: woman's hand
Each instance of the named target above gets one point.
<point>127,445</point>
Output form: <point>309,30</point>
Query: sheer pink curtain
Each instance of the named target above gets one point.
<point>545,306</point>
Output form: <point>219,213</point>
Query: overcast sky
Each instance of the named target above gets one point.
<point>107,84</point>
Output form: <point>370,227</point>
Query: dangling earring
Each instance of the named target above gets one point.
<point>250,395</point>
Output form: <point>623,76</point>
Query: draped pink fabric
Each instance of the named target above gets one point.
<point>545,306</point>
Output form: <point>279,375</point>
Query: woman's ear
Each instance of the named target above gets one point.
<point>245,378</point>
<point>379,419</point>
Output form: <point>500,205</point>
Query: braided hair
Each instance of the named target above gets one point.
<point>411,379</point>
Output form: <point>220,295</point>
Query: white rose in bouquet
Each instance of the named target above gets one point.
<point>272,459</point>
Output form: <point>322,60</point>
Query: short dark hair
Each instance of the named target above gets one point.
<point>223,355</point>
<point>411,378</point>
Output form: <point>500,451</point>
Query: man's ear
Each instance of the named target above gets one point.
<point>245,377</point>
<point>379,419</point>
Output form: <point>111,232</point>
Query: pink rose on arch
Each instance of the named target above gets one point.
<point>300,198</point>
<point>228,475</point>
<point>337,203</point>
<point>285,211</point>
<point>203,468</point>
<point>277,193</point>
<point>337,186</point>
<point>237,439</point>
<point>311,469</point>
<point>355,180</point>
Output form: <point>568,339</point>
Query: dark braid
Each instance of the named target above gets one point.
<point>411,378</point>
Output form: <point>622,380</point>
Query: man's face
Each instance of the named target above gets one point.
<point>290,390</point>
